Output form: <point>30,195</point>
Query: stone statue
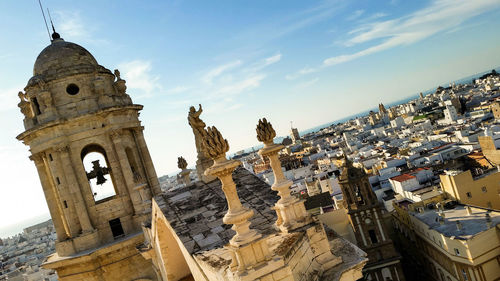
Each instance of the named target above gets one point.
<point>25,105</point>
<point>117,74</point>
<point>203,162</point>
<point>198,126</point>
<point>120,86</point>
<point>181,163</point>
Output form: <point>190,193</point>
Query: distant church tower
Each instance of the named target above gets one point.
<point>366,220</point>
<point>95,169</point>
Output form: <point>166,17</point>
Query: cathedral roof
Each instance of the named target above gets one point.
<point>195,212</point>
<point>61,55</point>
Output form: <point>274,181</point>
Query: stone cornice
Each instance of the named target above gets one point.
<point>60,121</point>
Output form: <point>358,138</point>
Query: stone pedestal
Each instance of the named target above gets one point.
<point>183,177</point>
<point>202,164</point>
<point>237,215</point>
<point>290,210</point>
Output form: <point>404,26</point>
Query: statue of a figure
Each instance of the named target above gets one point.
<point>117,74</point>
<point>25,105</point>
<point>198,125</point>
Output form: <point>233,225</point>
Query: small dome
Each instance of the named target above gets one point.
<point>62,55</point>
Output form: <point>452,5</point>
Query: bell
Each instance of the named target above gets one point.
<point>101,179</point>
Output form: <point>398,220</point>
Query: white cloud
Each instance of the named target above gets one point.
<point>73,27</point>
<point>356,14</point>
<point>263,63</point>
<point>178,90</point>
<point>219,70</point>
<point>247,83</point>
<point>272,60</point>
<point>138,75</point>
<point>439,16</point>
<point>69,23</point>
<point>303,71</point>
<point>307,83</point>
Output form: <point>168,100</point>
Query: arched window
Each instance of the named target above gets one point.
<point>98,173</point>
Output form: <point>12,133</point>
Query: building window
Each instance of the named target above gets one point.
<point>116,228</point>
<point>469,195</point>
<point>483,189</point>
<point>373,236</point>
<point>58,181</point>
<point>50,157</point>
<point>99,175</point>
<point>65,204</point>
<point>457,252</point>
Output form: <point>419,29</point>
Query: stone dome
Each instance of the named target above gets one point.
<point>61,56</point>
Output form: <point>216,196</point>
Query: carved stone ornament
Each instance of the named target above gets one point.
<point>181,163</point>
<point>215,145</point>
<point>265,131</point>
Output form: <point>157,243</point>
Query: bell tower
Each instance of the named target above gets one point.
<point>369,229</point>
<point>95,169</point>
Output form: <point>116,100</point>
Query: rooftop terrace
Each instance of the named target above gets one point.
<point>471,224</point>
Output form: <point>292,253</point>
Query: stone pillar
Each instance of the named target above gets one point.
<point>291,211</point>
<point>237,215</point>
<point>50,196</point>
<point>146,160</point>
<point>72,183</point>
<point>116,137</point>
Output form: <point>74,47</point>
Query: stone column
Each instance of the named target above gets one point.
<point>237,215</point>
<point>116,138</point>
<point>72,183</point>
<point>146,160</point>
<point>50,196</point>
<point>291,211</point>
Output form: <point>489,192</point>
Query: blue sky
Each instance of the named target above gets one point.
<point>307,61</point>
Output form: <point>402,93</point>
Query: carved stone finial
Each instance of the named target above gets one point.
<point>181,163</point>
<point>265,131</point>
<point>215,145</point>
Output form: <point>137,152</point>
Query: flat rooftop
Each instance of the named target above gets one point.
<point>471,224</point>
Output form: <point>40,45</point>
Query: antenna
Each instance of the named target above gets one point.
<point>55,35</point>
<point>51,23</point>
<point>44,19</point>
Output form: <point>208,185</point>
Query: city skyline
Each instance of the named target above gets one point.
<point>244,76</point>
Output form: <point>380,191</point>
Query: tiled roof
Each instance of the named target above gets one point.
<point>195,212</point>
<point>403,177</point>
